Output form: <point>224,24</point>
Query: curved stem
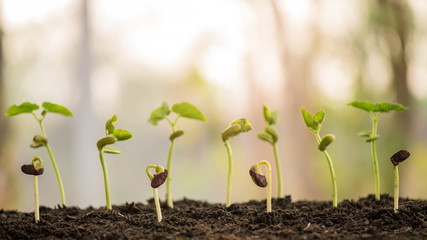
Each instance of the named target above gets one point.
<point>58,175</point>
<point>279,172</point>
<point>396,188</point>
<point>268,166</point>
<point>36,199</point>
<point>230,170</point>
<point>374,155</point>
<point>156,201</point>
<point>332,171</point>
<point>106,183</point>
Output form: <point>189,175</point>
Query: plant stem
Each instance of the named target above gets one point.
<point>331,168</point>
<point>58,175</point>
<point>268,200</point>
<point>107,185</point>
<point>396,188</point>
<point>279,172</point>
<point>230,168</point>
<point>156,201</point>
<point>374,155</point>
<point>36,199</point>
<point>168,167</point>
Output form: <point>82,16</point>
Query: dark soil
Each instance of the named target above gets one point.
<point>362,219</point>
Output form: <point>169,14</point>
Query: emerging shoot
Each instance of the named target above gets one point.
<point>156,181</point>
<point>270,135</point>
<point>235,128</point>
<point>374,112</point>
<point>314,123</point>
<point>259,179</point>
<point>112,135</point>
<point>185,110</point>
<point>41,140</point>
<point>397,158</point>
<point>35,168</point>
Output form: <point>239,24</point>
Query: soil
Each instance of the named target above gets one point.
<point>361,219</point>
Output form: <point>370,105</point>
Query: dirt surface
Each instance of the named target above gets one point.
<point>362,219</point>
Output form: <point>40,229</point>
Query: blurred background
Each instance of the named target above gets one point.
<point>101,58</point>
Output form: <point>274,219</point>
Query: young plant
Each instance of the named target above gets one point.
<point>35,168</point>
<point>270,135</point>
<point>156,181</point>
<point>41,140</point>
<point>259,179</point>
<point>235,128</point>
<point>314,124</point>
<point>112,135</point>
<point>374,111</point>
<point>185,110</point>
<point>397,158</point>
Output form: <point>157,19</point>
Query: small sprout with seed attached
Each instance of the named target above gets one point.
<point>374,112</point>
<point>36,168</point>
<point>185,110</point>
<point>397,158</point>
<point>112,135</point>
<point>261,181</point>
<point>235,128</point>
<point>314,123</point>
<point>270,135</point>
<point>41,140</point>
<point>156,181</point>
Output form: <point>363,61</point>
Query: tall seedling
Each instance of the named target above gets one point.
<point>374,111</point>
<point>41,140</point>
<point>185,110</point>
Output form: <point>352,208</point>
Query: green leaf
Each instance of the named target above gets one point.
<point>366,105</point>
<point>245,126</point>
<point>274,117</point>
<point>231,131</point>
<point>389,107</point>
<point>307,118</point>
<point>188,110</point>
<point>328,139</point>
<point>365,133</point>
<point>122,134</point>
<point>272,132</point>
<point>109,127</point>
<point>25,107</point>
<point>56,108</point>
<point>159,114</point>
<point>270,117</point>
<point>371,139</point>
<point>265,137</point>
<point>111,150</point>
<point>319,116</point>
<point>105,141</point>
<point>176,134</point>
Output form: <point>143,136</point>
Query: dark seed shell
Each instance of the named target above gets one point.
<point>399,157</point>
<point>159,179</point>
<point>259,179</point>
<point>30,170</point>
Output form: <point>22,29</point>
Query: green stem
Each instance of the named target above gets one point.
<point>107,185</point>
<point>374,155</point>
<point>58,175</point>
<point>168,179</point>
<point>230,168</point>
<point>279,171</point>
<point>331,168</point>
<point>396,188</point>
<point>36,199</point>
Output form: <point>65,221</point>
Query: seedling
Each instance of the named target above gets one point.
<point>41,140</point>
<point>112,135</point>
<point>35,168</point>
<point>397,158</point>
<point>374,111</point>
<point>270,135</point>
<point>235,128</point>
<point>314,124</point>
<point>259,179</point>
<point>156,181</point>
<point>185,110</point>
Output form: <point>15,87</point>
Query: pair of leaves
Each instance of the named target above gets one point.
<point>112,135</point>
<point>270,117</point>
<point>184,109</point>
<point>313,122</point>
<point>368,135</point>
<point>236,127</point>
<point>377,107</point>
<point>270,135</point>
<point>28,107</point>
